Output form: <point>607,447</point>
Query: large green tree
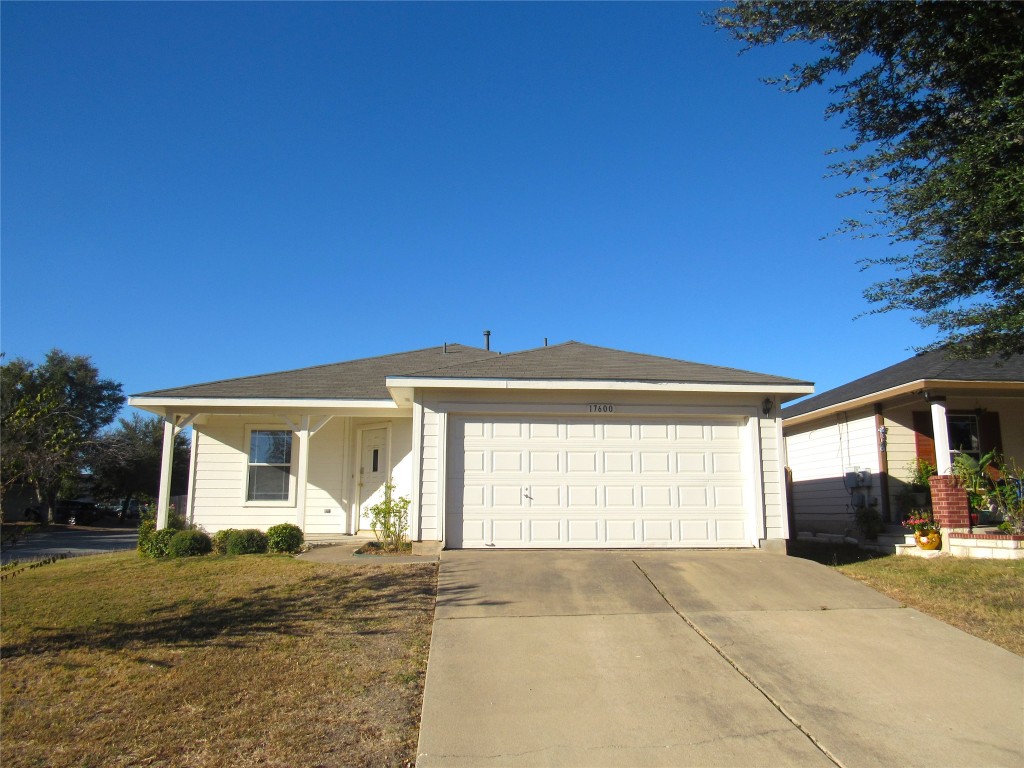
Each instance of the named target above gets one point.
<point>127,459</point>
<point>51,417</point>
<point>933,93</point>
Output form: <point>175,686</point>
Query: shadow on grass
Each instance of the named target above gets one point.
<point>358,603</point>
<point>832,554</point>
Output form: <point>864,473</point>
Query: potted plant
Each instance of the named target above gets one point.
<point>982,490</point>
<point>869,521</point>
<point>920,470</point>
<point>926,532</point>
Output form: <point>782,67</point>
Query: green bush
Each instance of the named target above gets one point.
<point>153,543</point>
<point>220,540</point>
<point>156,543</point>
<point>189,544</point>
<point>249,541</point>
<point>285,537</point>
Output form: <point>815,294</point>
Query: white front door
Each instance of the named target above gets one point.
<point>373,471</point>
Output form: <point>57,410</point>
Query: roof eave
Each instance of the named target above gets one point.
<point>897,391</point>
<point>163,406</point>
<point>401,386</point>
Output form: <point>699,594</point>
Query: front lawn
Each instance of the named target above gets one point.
<point>114,660</point>
<point>982,597</point>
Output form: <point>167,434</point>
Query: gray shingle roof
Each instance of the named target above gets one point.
<point>574,361</point>
<point>926,366</point>
<point>353,380</point>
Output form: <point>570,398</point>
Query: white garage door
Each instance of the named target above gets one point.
<point>597,481</point>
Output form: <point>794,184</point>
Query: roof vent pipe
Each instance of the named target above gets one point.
<point>446,348</point>
<point>545,341</point>
<point>487,340</point>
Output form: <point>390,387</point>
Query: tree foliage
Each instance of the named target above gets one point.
<point>51,416</point>
<point>934,95</point>
<point>126,461</point>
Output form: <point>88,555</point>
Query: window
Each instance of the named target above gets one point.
<point>270,465</point>
<point>964,435</point>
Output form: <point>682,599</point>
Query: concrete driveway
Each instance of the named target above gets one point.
<point>626,658</point>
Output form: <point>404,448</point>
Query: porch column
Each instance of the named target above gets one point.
<point>300,493</point>
<point>166,464</point>
<point>940,432</point>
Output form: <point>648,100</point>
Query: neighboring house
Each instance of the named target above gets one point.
<point>856,444</point>
<point>570,445</point>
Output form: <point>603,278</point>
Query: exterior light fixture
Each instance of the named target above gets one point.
<point>766,406</point>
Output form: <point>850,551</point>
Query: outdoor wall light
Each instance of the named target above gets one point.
<point>766,406</point>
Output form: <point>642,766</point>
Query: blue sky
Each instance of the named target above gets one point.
<point>200,191</point>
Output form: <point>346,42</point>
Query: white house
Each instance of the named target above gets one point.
<point>570,445</point>
<point>856,444</point>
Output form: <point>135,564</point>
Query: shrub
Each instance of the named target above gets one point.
<point>285,537</point>
<point>153,543</point>
<point>156,543</point>
<point>869,521</point>
<point>250,541</point>
<point>189,544</point>
<point>220,539</point>
<point>390,519</point>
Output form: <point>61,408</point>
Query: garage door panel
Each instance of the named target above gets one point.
<point>657,531</point>
<point>583,531</point>
<point>621,531</point>
<point>620,497</point>
<point>545,461</point>
<point>599,481</point>
<point>581,461</point>
<point>507,532</point>
<point>654,462</point>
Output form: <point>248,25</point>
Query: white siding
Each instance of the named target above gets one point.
<point>819,454</point>
<point>221,469</point>
<point>326,501</point>
<point>772,479</point>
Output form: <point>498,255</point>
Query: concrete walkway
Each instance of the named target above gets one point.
<point>701,659</point>
<point>345,554</point>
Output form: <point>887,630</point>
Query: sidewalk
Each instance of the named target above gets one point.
<point>344,554</point>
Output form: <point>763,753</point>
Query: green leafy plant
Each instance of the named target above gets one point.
<point>284,537</point>
<point>248,541</point>
<point>390,519</point>
<point>920,470</point>
<point>220,540</point>
<point>154,543</point>
<point>189,544</point>
<point>869,521</point>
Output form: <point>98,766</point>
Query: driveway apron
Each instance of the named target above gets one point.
<point>627,658</point>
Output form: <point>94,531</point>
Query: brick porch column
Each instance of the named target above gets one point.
<point>949,504</point>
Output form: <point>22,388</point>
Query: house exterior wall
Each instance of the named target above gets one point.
<point>819,453</point>
<point>433,408</point>
<point>330,511</point>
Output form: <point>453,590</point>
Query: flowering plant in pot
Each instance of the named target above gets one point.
<point>926,532</point>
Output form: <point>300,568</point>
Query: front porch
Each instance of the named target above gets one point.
<point>319,471</point>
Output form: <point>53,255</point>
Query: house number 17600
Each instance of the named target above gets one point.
<point>601,408</point>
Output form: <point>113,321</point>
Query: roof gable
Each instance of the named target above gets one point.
<point>928,366</point>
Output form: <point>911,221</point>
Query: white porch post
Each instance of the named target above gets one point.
<point>166,464</point>
<point>300,493</point>
<point>940,432</point>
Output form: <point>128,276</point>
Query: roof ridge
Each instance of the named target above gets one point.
<point>505,355</point>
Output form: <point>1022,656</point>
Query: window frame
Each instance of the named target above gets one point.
<point>246,452</point>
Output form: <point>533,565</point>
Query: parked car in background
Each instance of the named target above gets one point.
<point>76,512</point>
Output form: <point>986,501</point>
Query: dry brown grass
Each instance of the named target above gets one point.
<point>255,660</point>
<point>984,598</point>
